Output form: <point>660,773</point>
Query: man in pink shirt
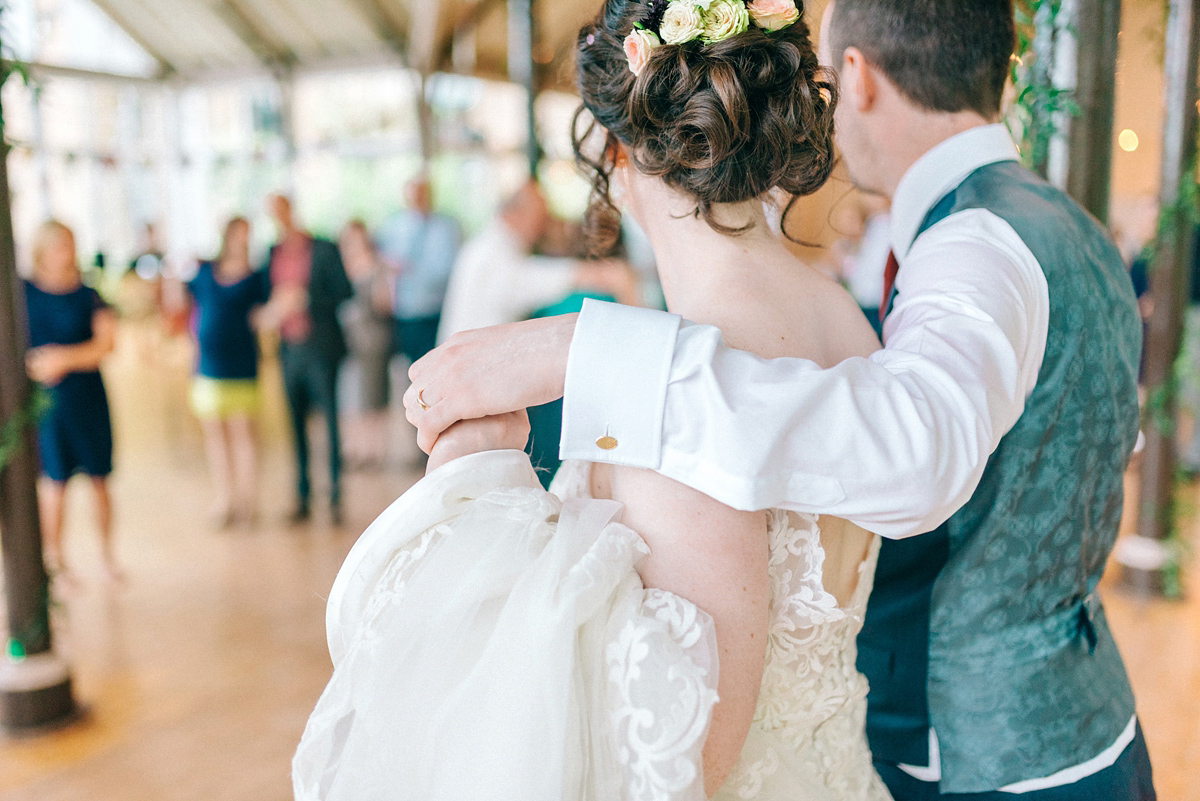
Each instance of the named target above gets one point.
<point>308,283</point>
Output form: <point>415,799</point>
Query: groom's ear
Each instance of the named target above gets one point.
<point>858,79</point>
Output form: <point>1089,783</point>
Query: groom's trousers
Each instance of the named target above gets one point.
<point>1127,779</point>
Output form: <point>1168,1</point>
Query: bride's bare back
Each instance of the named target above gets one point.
<point>708,137</point>
<point>788,309</point>
<point>784,308</point>
<point>767,302</point>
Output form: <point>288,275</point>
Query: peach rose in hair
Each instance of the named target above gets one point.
<point>773,15</point>
<point>639,44</point>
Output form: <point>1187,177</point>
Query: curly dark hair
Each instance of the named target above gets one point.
<point>724,122</point>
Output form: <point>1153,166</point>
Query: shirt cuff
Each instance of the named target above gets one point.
<point>616,386</point>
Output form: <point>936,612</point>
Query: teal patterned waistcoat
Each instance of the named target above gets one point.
<point>989,628</point>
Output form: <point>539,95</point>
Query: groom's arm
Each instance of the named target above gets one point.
<point>896,443</point>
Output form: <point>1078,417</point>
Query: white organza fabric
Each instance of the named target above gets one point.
<point>491,641</point>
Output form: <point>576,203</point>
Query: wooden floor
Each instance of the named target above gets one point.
<point>1160,641</point>
<point>199,672</point>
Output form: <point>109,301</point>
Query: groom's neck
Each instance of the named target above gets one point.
<point>900,132</point>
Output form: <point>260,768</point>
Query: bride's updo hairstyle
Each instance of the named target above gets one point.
<point>723,121</point>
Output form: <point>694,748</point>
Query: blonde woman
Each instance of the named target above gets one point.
<point>71,330</point>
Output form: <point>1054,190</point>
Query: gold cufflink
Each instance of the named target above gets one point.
<point>606,443</point>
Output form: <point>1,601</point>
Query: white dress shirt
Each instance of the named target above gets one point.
<point>896,442</point>
<point>496,281</point>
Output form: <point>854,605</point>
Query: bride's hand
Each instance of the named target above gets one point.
<point>495,433</point>
<point>488,372</point>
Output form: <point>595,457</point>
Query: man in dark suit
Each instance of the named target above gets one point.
<point>308,283</point>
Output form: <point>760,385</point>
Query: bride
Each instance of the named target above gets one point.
<point>627,637</point>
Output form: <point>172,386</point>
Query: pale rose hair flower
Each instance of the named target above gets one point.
<point>639,44</point>
<point>725,19</point>
<point>773,15</point>
<point>682,22</point>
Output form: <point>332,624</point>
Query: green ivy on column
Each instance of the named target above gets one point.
<point>1037,102</point>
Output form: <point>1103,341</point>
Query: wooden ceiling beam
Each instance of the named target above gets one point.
<point>385,25</point>
<point>165,66</point>
<point>469,18</point>
<point>272,52</point>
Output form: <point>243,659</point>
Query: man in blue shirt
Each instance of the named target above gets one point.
<point>421,245</point>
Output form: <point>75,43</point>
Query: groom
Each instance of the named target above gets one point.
<point>986,441</point>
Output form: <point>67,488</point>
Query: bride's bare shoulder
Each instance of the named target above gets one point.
<point>792,309</point>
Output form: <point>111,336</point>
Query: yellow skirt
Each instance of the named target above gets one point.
<point>219,398</point>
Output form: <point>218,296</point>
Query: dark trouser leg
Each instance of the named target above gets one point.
<point>416,336</point>
<point>1128,779</point>
<point>295,363</point>
<point>904,787</point>
<point>323,384</point>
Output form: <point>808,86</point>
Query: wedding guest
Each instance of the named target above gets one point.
<point>367,321</point>
<point>71,330</point>
<point>420,244</point>
<point>308,284</point>
<point>225,293</point>
<point>1134,228</point>
<point>498,279</point>
<point>1139,276</point>
<point>140,286</point>
<point>148,263</point>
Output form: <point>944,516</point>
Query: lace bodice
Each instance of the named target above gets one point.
<point>812,704</point>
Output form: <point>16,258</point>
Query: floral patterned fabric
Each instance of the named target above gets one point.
<point>1023,677</point>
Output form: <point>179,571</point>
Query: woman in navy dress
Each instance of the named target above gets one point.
<point>71,330</point>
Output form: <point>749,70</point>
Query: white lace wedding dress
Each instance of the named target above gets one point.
<point>493,642</point>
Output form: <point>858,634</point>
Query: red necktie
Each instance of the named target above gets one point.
<point>889,281</point>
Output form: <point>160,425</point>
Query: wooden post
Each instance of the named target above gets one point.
<point>426,17</point>
<point>1144,557</point>
<point>1096,24</point>
<point>285,77</point>
<point>35,687</point>
<point>425,129</point>
<point>522,70</point>
<point>41,159</point>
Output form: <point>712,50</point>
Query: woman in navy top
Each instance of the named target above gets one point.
<point>71,330</point>
<point>225,294</point>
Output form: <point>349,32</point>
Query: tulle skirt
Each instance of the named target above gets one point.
<point>492,643</point>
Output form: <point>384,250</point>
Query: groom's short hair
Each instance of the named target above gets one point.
<point>945,55</point>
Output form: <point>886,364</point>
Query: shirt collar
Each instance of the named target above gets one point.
<point>940,170</point>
